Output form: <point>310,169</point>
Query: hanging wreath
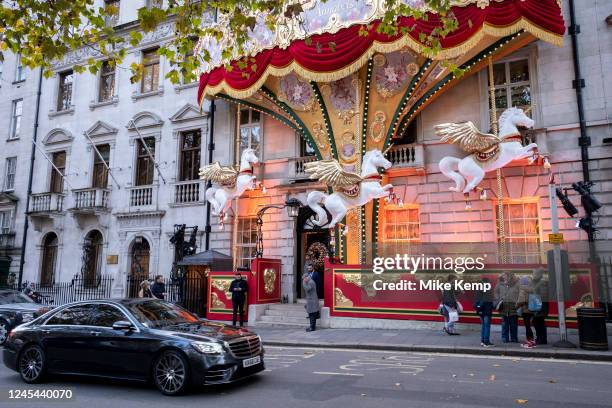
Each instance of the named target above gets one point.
<point>317,253</point>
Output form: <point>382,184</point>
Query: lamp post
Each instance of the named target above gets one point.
<point>293,208</point>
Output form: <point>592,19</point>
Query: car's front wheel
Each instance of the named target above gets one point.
<point>4,331</point>
<point>171,373</point>
<point>31,364</point>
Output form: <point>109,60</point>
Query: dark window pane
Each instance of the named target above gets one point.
<point>244,116</point>
<point>106,316</point>
<point>74,316</point>
<point>255,116</point>
<point>519,71</point>
<point>65,91</point>
<point>499,74</point>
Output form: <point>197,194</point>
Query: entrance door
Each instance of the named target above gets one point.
<point>313,241</point>
<point>139,265</point>
<point>196,287</point>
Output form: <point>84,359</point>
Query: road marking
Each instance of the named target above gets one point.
<point>330,373</point>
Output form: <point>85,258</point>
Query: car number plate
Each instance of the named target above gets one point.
<point>251,361</point>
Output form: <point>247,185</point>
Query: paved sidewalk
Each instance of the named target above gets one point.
<point>424,340</point>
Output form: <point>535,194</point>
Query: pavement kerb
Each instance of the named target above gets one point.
<point>561,354</point>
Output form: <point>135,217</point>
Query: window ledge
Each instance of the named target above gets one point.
<point>13,139</point>
<point>113,101</point>
<point>139,95</point>
<point>180,87</point>
<point>21,82</point>
<point>55,113</point>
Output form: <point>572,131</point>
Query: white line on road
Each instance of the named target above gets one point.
<point>330,373</point>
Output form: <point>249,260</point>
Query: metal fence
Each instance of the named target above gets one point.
<point>79,288</point>
<point>605,277</point>
<point>188,292</point>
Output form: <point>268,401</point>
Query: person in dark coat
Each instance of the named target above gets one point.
<point>312,301</point>
<point>540,288</point>
<point>316,277</point>
<point>484,309</point>
<point>159,287</point>
<point>238,288</point>
<point>450,305</point>
<point>506,297</point>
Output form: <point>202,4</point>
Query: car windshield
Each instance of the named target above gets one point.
<point>157,313</point>
<point>14,297</point>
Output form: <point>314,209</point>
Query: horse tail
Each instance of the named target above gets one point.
<point>210,197</point>
<point>314,200</point>
<point>449,166</point>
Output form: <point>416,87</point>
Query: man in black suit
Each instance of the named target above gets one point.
<point>238,289</point>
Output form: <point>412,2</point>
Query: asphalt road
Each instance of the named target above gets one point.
<point>297,377</point>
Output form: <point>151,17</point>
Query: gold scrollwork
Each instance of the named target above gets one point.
<point>354,278</point>
<point>379,60</point>
<point>216,302</point>
<point>222,285</point>
<point>269,277</point>
<point>319,134</point>
<point>348,150</point>
<point>341,300</point>
<point>377,128</point>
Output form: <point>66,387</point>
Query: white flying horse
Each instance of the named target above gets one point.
<point>353,190</point>
<point>487,152</point>
<point>229,183</point>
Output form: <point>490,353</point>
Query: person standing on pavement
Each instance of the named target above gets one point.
<point>312,301</point>
<point>506,296</point>
<point>239,289</point>
<point>450,308</point>
<point>145,290</point>
<point>540,290</point>
<point>316,277</point>
<point>484,309</point>
<point>159,287</point>
<point>522,303</point>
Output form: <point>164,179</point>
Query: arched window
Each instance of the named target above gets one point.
<point>92,257</point>
<point>139,265</point>
<point>49,259</point>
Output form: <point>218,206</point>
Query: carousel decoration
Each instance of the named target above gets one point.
<point>487,152</point>
<point>348,88</point>
<point>229,183</point>
<point>352,189</point>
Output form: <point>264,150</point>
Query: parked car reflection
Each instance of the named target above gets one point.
<point>136,339</point>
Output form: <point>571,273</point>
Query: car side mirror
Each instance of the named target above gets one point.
<point>123,325</point>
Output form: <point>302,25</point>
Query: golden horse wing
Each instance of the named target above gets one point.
<point>331,173</point>
<point>218,174</point>
<point>467,136</point>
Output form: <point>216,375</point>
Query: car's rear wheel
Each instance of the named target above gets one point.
<point>4,331</point>
<point>171,373</point>
<point>31,364</point>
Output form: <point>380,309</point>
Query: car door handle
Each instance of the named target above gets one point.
<point>46,331</point>
<point>95,333</point>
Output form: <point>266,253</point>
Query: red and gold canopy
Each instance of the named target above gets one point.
<point>347,89</point>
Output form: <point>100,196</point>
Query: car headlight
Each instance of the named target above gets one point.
<point>207,348</point>
<point>27,316</point>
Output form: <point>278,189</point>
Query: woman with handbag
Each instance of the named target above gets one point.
<point>450,308</point>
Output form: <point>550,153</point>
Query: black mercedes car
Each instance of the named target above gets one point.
<point>16,308</point>
<point>135,339</point>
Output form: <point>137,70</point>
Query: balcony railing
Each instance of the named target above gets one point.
<point>47,202</point>
<point>189,191</point>
<point>298,166</point>
<point>142,196</point>
<point>7,239</point>
<point>409,155</point>
<point>90,198</point>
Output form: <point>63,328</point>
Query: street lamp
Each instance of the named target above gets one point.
<point>293,208</point>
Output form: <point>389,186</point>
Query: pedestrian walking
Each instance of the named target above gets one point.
<point>312,301</point>
<point>522,303</point>
<point>484,309</point>
<point>145,289</point>
<point>450,308</point>
<point>506,296</point>
<point>239,289</point>
<point>539,305</point>
<point>159,287</point>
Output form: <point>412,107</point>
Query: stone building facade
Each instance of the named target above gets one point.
<point>131,216</point>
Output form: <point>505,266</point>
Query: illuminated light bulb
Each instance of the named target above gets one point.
<point>547,163</point>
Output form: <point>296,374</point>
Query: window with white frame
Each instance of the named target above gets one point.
<point>19,69</point>
<point>521,219</point>
<point>106,87</point>
<point>246,241</point>
<point>111,17</point>
<point>9,173</point>
<point>250,130</point>
<point>64,94</point>
<point>512,81</point>
<point>16,113</point>
<point>154,4</point>
<point>150,71</point>
<point>6,221</point>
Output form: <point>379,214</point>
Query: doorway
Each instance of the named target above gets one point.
<point>139,265</point>
<point>311,240</point>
